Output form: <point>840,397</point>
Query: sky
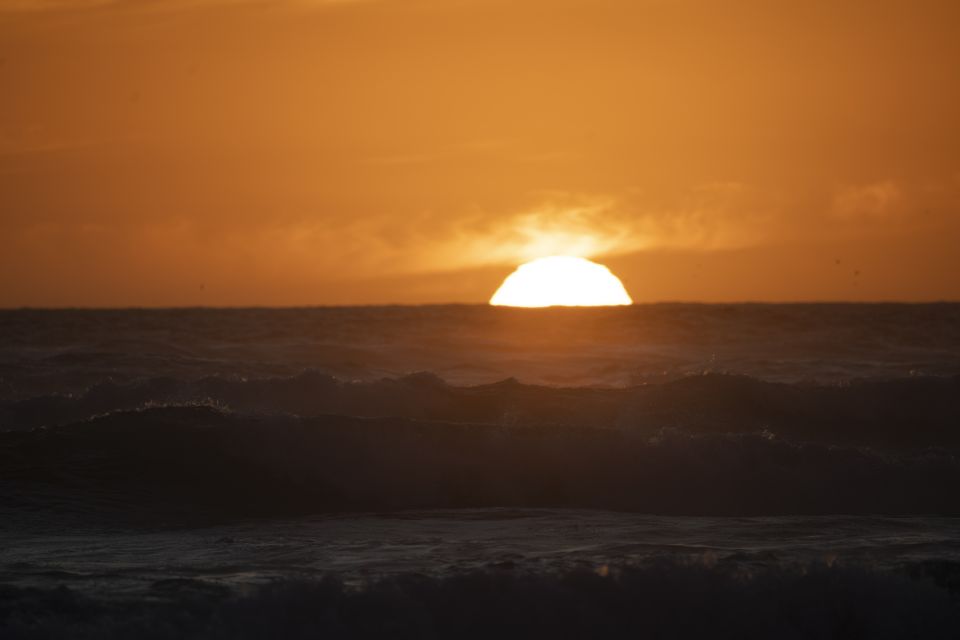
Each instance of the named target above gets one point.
<point>320,152</point>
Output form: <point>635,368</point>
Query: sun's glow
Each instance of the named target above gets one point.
<point>561,281</point>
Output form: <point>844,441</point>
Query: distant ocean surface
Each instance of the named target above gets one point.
<point>670,470</point>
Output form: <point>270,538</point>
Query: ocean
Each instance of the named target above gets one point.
<point>665,471</point>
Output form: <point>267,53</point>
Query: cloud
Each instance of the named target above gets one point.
<point>874,200</point>
<point>892,206</point>
<point>315,248</point>
<point>713,216</point>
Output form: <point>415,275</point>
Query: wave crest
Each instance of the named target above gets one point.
<point>912,412</point>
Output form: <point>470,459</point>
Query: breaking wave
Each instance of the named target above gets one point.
<point>909,412</point>
<point>660,600</point>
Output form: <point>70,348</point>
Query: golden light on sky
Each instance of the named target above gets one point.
<point>297,152</point>
<point>566,281</point>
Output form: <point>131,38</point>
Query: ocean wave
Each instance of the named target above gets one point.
<point>198,463</point>
<point>909,412</point>
<point>661,600</point>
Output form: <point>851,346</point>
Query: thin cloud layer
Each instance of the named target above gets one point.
<point>12,6</point>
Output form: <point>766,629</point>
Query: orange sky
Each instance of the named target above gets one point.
<point>235,152</point>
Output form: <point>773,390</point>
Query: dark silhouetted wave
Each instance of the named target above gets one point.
<point>203,463</point>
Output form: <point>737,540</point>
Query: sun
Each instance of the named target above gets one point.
<point>561,281</point>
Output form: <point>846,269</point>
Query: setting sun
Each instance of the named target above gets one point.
<point>561,281</point>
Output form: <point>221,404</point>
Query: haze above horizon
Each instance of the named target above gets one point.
<point>311,152</point>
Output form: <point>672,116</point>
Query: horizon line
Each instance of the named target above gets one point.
<point>241,307</point>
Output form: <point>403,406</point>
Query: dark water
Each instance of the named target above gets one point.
<point>667,470</point>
